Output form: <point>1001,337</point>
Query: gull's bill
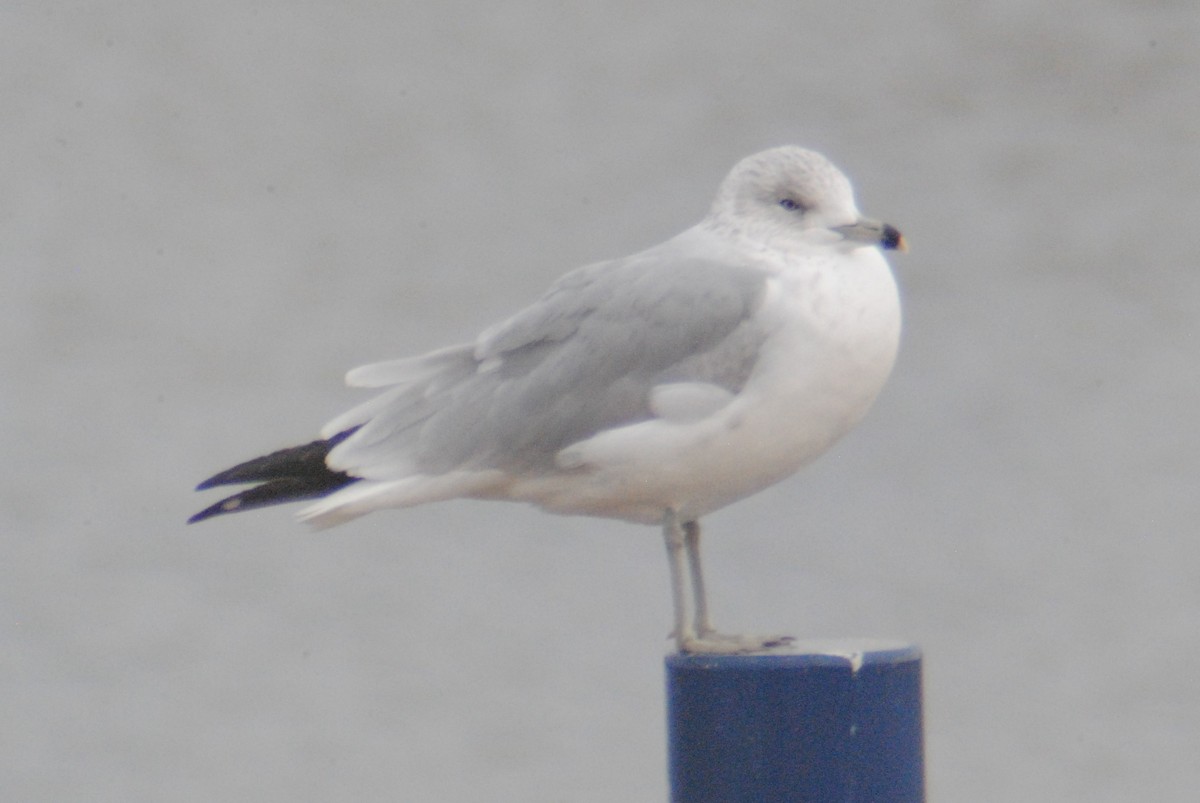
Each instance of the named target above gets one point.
<point>874,232</point>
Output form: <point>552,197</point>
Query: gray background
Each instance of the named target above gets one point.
<point>210,211</point>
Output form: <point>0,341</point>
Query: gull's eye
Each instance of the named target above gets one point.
<point>792,205</point>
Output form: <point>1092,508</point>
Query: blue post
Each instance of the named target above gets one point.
<point>837,723</point>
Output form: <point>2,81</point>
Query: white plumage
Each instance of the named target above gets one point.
<point>654,388</point>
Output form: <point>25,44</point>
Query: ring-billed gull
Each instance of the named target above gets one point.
<point>654,388</point>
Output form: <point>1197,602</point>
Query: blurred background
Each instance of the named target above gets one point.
<point>211,211</point>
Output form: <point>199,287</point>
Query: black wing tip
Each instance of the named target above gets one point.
<point>277,492</point>
<point>238,475</point>
<point>306,462</point>
<point>288,475</point>
<point>230,505</point>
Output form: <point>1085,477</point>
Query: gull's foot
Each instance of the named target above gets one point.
<point>712,643</point>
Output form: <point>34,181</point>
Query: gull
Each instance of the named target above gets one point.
<point>655,388</point>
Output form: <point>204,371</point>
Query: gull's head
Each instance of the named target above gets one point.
<point>795,194</point>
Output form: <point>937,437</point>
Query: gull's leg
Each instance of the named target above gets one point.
<point>698,635</point>
<point>674,536</point>
<point>691,541</point>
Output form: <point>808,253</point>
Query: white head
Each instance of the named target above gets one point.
<point>791,192</point>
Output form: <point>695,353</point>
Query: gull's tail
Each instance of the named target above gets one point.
<point>288,475</point>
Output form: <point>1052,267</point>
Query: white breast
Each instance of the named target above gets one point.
<point>834,335</point>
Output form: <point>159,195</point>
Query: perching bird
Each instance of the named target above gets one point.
<point>655,388</point>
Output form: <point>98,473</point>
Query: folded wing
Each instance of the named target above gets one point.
<point>584,358</point>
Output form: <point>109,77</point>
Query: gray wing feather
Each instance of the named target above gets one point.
<point>581,359</point>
